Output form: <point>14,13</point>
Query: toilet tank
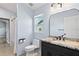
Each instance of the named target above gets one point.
<point>36,42</point>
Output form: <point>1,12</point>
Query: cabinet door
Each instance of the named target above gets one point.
<point>44,51</point>
<point>56,50</point>
<point>72,52</point>
<point>52,50</point>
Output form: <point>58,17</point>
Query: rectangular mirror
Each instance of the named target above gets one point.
<point>66,22</point>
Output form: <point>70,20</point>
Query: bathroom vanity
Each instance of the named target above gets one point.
<point>59,48</point>
<point>62,24</point>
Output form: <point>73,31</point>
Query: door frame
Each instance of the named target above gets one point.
<point>9,24</point>
<point>7,29</point>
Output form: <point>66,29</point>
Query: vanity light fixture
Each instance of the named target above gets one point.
<point>60,4</point>
<point>55,5</point>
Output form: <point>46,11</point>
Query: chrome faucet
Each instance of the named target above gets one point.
<point>62,36</point>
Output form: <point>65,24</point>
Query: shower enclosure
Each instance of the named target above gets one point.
<point>4,30</point>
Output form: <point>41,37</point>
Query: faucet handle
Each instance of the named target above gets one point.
<point>63,37</point>
<point>63,34</point>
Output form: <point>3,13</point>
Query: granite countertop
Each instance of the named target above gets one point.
<point>66,43</point>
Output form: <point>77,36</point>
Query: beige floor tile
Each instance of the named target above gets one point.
<point>6,50</point>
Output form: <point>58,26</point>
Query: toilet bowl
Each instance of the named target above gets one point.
<point>31,48</point>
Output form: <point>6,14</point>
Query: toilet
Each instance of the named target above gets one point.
<point>30,49</point>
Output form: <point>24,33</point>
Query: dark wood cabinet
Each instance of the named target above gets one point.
<point>48,49</point>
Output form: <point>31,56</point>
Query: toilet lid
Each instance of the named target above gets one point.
<point>31,47</point>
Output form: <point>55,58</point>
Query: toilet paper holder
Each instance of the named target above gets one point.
<point>22,40</point>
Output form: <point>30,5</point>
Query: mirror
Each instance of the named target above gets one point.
<point>66,22</point>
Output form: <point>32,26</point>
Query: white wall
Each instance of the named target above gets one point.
<point>6,13</point>
<point>47,11</point>
<point>24,27</point>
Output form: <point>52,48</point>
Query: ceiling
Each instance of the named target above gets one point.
<point>13,7</point>
<point>9,6</point>
<point>35,6</point>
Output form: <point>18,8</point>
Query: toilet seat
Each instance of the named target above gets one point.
<point>31,47</point>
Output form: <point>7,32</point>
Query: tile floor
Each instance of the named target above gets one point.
<point>6,49</point>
